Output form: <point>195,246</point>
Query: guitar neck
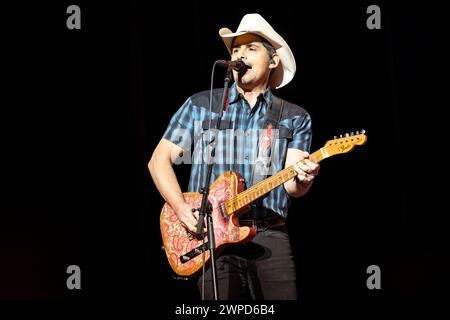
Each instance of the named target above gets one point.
<point>263,187</point>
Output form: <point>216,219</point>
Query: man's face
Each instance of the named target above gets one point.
<point>249,48</point>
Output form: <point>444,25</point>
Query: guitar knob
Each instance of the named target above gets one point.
<point>357,132</point>
<point>363,131</point>
<point>346,134</point>
<point>351,133</point>
<point>335,137</point>
<point>184,258</point>
<point>340,136</point>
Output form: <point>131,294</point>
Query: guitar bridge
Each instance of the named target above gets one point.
<point>194,252</point>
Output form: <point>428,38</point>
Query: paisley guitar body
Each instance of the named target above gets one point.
<point>184,250</point>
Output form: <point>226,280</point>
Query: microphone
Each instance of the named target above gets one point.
<point>237,65</point>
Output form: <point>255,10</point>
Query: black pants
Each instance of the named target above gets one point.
<point>262,269</point>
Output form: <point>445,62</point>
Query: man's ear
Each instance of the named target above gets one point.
<point>274,61</point>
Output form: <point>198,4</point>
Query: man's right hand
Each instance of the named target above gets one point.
<point>187,217</point>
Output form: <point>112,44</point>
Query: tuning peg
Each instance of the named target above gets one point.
<point>363,131</point>
<point>340,136</point>
<point>335,137</point>
<point>346,134</point>
<point>357,132</point>
<point>351,133</point>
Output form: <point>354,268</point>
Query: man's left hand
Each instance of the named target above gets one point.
<point>306,170</point>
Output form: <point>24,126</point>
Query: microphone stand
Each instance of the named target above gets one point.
<point>205,208</point>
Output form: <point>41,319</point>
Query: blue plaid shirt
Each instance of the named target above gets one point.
<point>238,139</point>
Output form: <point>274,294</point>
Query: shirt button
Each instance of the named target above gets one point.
<point>246,157</point>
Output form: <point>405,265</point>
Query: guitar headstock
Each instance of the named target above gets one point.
<point>345,143</point>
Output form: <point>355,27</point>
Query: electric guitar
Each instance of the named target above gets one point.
<point>229,200</point>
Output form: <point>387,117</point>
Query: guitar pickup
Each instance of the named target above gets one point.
<point>194,252</point>
<point>223,210</point>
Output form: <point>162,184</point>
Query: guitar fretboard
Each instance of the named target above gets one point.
<point>263,187</point>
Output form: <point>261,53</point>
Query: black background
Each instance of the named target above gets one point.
<point>82,111</point>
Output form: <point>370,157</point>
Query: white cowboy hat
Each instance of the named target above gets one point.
<point>255,24</point>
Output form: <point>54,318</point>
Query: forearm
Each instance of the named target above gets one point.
<point>166,181</point>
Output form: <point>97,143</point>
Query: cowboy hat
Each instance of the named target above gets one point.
<point>256,24</point>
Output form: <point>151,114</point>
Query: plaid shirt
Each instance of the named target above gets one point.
<point>238,139</point>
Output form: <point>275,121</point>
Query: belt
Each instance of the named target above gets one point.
<point>262,224</point>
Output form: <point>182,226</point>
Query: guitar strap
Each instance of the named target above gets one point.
<point>261,168</point>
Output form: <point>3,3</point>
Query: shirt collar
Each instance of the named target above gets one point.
<point>234,95</point>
